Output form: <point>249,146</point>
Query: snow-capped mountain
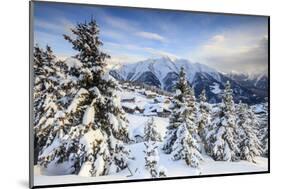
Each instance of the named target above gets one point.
<point>163,73</point>
<point>257,83</point>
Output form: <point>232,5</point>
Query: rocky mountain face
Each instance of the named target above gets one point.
<point>258,83</point>
<point>163,73</point>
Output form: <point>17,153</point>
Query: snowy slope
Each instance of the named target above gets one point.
<point>175,169</point>
<point>57,174</point>
<point>163,73</point>
<point>258,83</point>
<point>162,66</point>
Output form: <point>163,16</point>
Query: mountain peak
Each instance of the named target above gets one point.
<point>169,58</point>
<point>163,72</point>
<point>160,59</point>
<point>162,66</point>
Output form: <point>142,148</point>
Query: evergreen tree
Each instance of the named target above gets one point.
<point>263,128</point>
<point>181,137</point>
<point>96,126</point>
<point>46,94</point>
<point>247,125</point>
<point>38,100</point>
<point>150,131</point>
<point>152,160</point>
<point>42,71</point>
<point>175,118</point>
<point>38,71</point>
<point>162,172</point>
<point>204,117</point>
<point>222,141</point>
<point>265,144</point>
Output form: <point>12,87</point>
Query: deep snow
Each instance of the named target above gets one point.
<point>55,173</point>
<point>174,169</point>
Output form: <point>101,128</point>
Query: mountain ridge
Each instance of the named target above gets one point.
<point>163,73</point>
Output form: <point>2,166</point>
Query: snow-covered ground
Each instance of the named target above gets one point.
<point>216,88</point>
<point>137,124</point>
<point>174,169</point>
<point>136,170</point>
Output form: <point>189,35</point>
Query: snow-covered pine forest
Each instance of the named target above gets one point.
<point>90,127</point>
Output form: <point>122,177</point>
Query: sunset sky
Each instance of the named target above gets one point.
<point>229,43</point>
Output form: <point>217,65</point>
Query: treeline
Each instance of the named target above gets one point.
<point>228,133</point>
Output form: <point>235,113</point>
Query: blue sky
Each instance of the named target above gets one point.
<point>228,43</point>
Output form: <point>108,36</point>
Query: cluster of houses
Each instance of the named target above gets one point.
<point>141,87</point>
<point>147,102</point>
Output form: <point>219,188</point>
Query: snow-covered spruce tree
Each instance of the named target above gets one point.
<point>203,116</point>
<point>162,172</point>
<point>46,95</point>
<point>42,70</point>
<point>152,160</point>
<point>38,62</point>
<point>68,76</point>
<point>181,136</point>
<point>150,131</point>
<point>263,128</point>
<point>176,119</point>
<point>222,139</point>
<point>39,77</point>
<point>93,143</point>
<point>264,142</point>
<point>247,124</point>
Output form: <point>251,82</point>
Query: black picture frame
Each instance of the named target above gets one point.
<point>31,139</point>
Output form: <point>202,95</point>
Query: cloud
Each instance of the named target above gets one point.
<point>112,34</point>
<point>119,23</point>
<point>60,46</point>
<point>157,53</point>
<point>152,36</point>
<point>131,48</point>
<point>59,26</point>
<point>130,53</point>
<point>227,56</point>
<point>117,60</point>
<point>242,49</point>
<point>49,32</point>
<point>114,46</point>
<point>47,25</point>
<point>45,38</point>
<point>218,38</point>
<point>224,44</point>
<point>120,28</point>
<point>227,44</point>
